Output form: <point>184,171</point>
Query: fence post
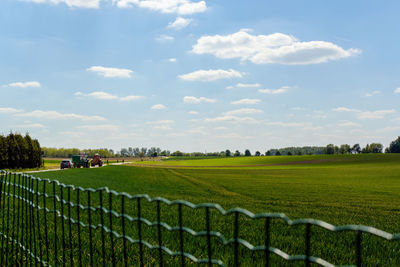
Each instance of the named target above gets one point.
<point>267,240</point>
<point>236,239</point>
<point>103,249</point>
<point>358,248</point>
<point>159,233</point>
<point>140,231</point>
<point>181,234</point>
<point>123,229</point>
<point>308,237</point>
<point>90,230</point>
<point>111,228</point>
<point>55,223</point>
<point>208,236</point>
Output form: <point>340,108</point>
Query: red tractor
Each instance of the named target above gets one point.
<point>96,161</point>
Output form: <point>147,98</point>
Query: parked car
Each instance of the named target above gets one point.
<point>66,164</point>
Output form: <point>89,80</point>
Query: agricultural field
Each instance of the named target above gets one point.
<point>339,189</point>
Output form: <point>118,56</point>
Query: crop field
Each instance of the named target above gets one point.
<point>340,189</point>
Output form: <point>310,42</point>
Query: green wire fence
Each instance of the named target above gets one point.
<point>45,222</point>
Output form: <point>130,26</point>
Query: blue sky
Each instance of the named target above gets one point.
<point>200,75</point>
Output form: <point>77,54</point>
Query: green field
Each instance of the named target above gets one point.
<point>340,189</point>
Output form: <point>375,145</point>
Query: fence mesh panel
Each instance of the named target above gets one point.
<point>45,222</point>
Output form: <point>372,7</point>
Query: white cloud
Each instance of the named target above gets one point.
<point>192,112</point>
<point>181,7</point>
<point>54,115</point>
<point>348,124</point>
<point>243,111</point>
<point>101,127</point>
<point>246,101</point>
<point>378,114</point>
<point>281,90</point>
<point>29,125</point>
<point>229,87</point>
<point>179,23</point>
<point>276,48</point>
<point>111,72</point>
<point>70,3</point>
<point>25,84</point>
<point>289,124</point>
<point>173,60</point>
<point>344,109</point>
<point>397,90</point>
<point>363,115</point>
<point>232,119</point>
<point>160,122</point>
<point>107,96</point>
<point>158,106</point>
<point>210,75</point>
<point>248,85</point>
<point>196,100</point>
<point>164,38</point>
<point>369,94</point>
<point>102,95</point>
<point>10,110</point>
<point>130,98</point>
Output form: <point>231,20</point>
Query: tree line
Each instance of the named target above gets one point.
<point>51,152</point>
<point>17,151</point>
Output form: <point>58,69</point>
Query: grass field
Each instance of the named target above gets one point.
<point>340,189</point>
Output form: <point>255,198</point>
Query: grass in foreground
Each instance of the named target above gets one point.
<point>359,189</point>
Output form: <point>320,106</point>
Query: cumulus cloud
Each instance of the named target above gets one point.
<point>70,3</point>
<point>54,115</point>
<point>173,60</point>
<point>107,96</point>
<point>281,90</point>
<point>197,100</point>
<point>25,84</point>
<point>164,38</point>
<point>232,119</point>
<point>111,72</point>
<point>99,127</point>
<point>158,107</point>
<point>192,112</point>
<point>276,48</point>
<point>397,90</point>
<point>179,23</point>
<point>348,124</point>
<point>210,75</point>
<point>181,7</point>
<point>369,94</point>
<point>363,115</point>
<point>243,111</point>
<point>248,85</point>
<point>10,110</point>
<point>246,101</point>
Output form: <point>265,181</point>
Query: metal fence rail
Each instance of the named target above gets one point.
<point>45,222</point>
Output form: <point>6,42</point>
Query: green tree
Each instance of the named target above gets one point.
<point>247,153</point>
<point>330,149</point>
<point>344,149</point>
<point>258,153</point>
<point>289,153</point>
<point>268,153</point>
<point>277,153</point>
<point>227,153</point>
<point>376,148</point>
<point>394,146</point>
<point>356,149</point>
<point>237,153</point>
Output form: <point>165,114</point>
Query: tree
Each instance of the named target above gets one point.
<point>376,148</point>
<point>289,153</point>
<point>394,146</point>
<point>227,153</point>
<point>237,153</point>
<point>247,153</point>
<point>258,153</point>
<point>344,149</point>
<point>277,153</point>
<point>268,153</point>
<point>356,149</point>
<point>330,149</point>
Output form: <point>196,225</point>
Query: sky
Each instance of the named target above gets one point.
<point>201,76</point>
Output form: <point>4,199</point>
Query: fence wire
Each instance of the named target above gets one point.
<point>45,222</point>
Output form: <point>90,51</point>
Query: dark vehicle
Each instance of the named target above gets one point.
<point>66,164</point>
